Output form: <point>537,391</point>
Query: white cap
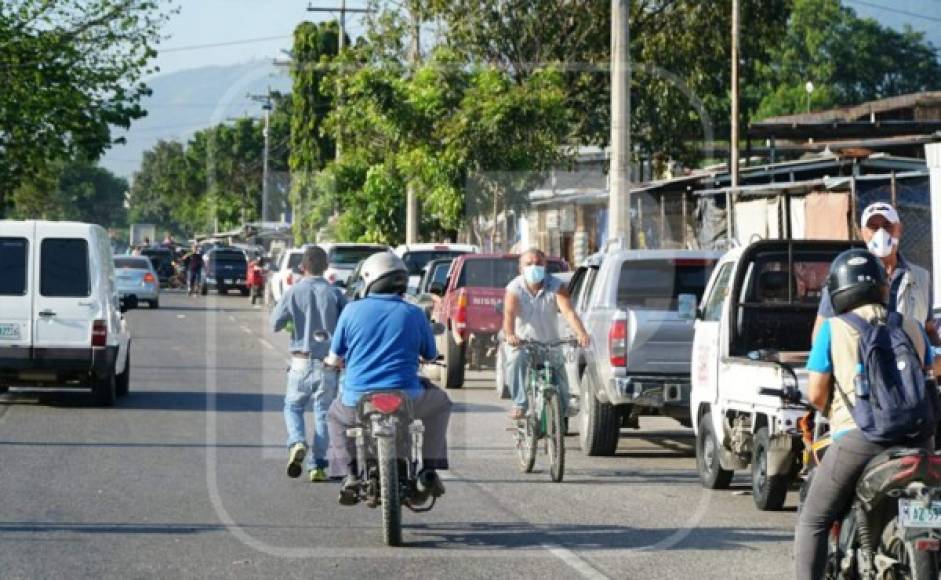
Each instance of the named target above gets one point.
<point>879,208</point>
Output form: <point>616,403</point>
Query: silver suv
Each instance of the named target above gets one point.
<point>638,307</point>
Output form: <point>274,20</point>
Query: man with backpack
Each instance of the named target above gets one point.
<point>868,374</point>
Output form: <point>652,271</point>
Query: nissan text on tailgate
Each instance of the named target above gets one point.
<point>469,309</point>
<point>639,308</point>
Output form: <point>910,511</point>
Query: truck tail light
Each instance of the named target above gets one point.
<point>461,315</point>
<point>99,333</point>
<point>617,342</point>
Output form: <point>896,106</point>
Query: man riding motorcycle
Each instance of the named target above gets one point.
<point>379,340</point>
<point>858,285</point>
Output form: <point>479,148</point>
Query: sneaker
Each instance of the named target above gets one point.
<point>349,491</point>
<point>318,474</point>
<point>296,459</point>
<point>430,483</point>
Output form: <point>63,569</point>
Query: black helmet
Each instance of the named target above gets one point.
<point>856,279</point>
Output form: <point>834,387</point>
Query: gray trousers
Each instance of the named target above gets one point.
<point>830,495</point>
<point>433,407</point>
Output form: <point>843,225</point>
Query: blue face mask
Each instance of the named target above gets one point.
<point>534,274</point>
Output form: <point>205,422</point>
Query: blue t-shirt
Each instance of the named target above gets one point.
<point>820,359</point>
<point>381,337</point>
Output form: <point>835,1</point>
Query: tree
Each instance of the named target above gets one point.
<point>849,60</point>
<point>70,70</point>
<point>79,191</point>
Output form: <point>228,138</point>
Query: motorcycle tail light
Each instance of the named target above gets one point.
<point>386,403</point>
<point>927,545</point>
<point>908,466</point>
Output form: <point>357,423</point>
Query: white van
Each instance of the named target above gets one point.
<point>60,320</point>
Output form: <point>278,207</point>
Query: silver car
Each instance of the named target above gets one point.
<point>137,281</point>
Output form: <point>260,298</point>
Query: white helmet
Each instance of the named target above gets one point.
<point>384,273</point>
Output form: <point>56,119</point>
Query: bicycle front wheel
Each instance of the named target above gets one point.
<point>555,438</point>
<point>527,437</point>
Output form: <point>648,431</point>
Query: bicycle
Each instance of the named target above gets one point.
<point>544,418</point>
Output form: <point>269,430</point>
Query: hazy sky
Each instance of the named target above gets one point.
<point>241,22</point>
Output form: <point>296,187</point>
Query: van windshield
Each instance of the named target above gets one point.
<point>351,255</point>
<point>131,264</point>
<point>13,253</point>
<point>63,268</point>
<point>656,284</point>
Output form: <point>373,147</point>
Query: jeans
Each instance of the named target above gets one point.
<point>830,495</point>
<point>309,386</point>
<point>433,407</point>
<point>516,370</point>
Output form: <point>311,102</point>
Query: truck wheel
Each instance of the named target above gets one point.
<point>104,390</point>
<point>768,491</point>
<point>600,426</point>
<point>707,457</point>
<point>499,374</point>
<point>123,384</point>
<point>453,363</point>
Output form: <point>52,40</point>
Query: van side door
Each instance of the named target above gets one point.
<point>16,285</point>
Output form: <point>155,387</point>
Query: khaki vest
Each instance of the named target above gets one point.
<point>844,349</point>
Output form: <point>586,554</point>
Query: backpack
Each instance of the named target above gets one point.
<point>893,401</point>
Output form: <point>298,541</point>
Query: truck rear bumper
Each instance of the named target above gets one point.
<point>655,391</point>
<point>56,364</point>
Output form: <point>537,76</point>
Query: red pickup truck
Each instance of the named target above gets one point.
<point>467,307</point>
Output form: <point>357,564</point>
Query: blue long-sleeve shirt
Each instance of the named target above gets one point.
<point>381,337</point>
<point>312,304</point>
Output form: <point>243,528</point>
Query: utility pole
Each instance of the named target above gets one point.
<point>733,170</point>
<point>619,199</point>
<point>411,198</point>
<point>341,41</point>
<point>267,106</point>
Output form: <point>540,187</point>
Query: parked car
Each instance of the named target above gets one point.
<point>284,274</point>
<point>468,308</point>
<point>226,268</point>
<point>343,257</point>
<point>162,259</point>
<point>638,362</point>
<point>417,256</point>
<point>60,319</point>
<point>136,281</point>
<point>754,330</point>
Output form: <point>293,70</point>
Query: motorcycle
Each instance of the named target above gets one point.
<point>892,530</point>
<point>389,461</point>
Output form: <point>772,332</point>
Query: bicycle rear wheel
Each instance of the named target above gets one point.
<point>555,438</point>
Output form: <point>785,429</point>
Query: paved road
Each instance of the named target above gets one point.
<point>185,479</point>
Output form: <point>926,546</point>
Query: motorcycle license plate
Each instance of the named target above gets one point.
<point>916,514</point>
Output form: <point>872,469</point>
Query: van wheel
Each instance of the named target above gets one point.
<point>104,390</point>
<point>123,383</point>
<point>453,363</point>
<point>499,375</point>
<point>600,426</point>
<point>707,457</point>
<point>768,491</point>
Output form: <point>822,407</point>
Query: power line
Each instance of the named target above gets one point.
<point>895,10</point>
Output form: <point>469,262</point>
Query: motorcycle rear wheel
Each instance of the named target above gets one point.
<point>389,493</point>
<point>915,565</point>
<point>555,438</point>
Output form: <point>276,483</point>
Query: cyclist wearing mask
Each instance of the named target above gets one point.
<point>859,291</point>
<point>379,340</point>
<point>909,285</point>
<point>531,306</point>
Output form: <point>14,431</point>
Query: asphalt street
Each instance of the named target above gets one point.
<point>184,478</point>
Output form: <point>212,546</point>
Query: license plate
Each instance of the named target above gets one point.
<point>916,514</point>
<point>9,331</point>
<point>227,281</point>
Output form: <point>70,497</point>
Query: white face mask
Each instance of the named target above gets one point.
<point>882,243</point>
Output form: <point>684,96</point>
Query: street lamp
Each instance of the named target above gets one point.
<point>809,87</point>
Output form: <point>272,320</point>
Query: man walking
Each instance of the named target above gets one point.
<point>194,270</point>
<point>309,306</point>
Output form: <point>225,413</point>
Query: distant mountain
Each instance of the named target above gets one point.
<point>184,102</point>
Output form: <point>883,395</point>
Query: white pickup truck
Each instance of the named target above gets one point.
<point>753,331</point>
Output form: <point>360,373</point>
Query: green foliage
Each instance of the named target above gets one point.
<point>79,191</point>
<point>849,59</point>
<point>70,70</point>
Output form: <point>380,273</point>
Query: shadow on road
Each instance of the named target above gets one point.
<point>488,535</point>
<point>158,401</point>
<point>121,528</point>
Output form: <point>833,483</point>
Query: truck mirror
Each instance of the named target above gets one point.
<point>686,306</point>
<point>436,288</point>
